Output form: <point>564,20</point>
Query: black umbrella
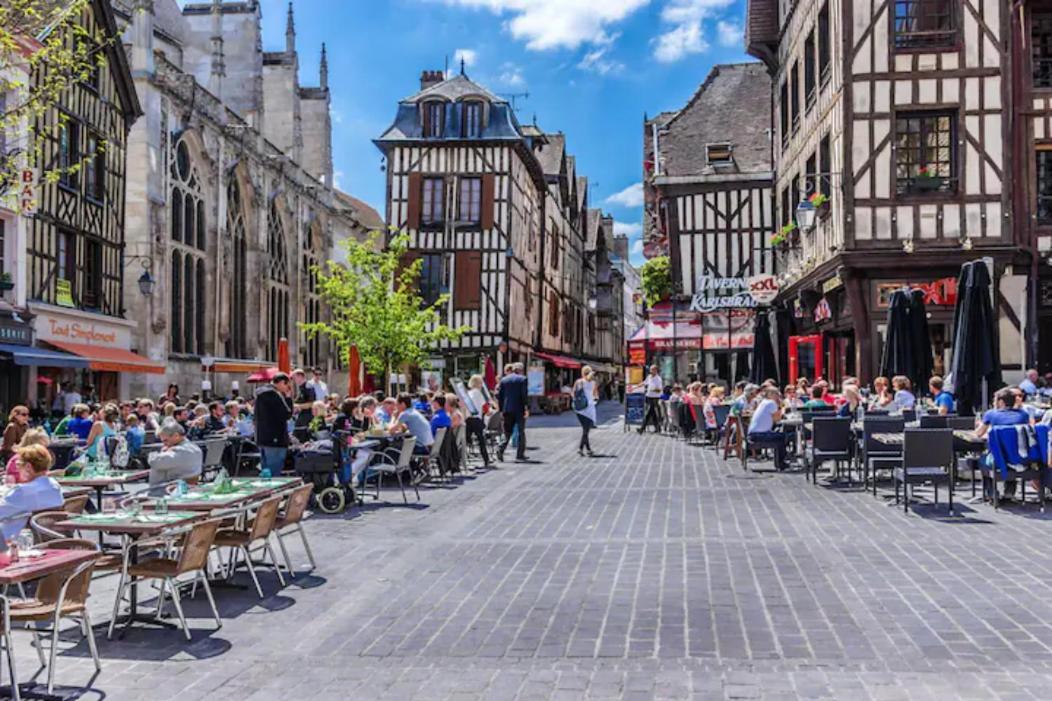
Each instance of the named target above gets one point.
<point>920,338</point>
<point>976,365</point>
<point>897,358</point>
<point>764,365</point>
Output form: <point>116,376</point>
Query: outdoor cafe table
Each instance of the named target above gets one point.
<point>101,482</point>
<point>246,490</point>
<point>134,527</point>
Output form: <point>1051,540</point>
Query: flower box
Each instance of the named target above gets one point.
<point>928,183</point>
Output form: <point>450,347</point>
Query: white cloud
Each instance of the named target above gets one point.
<point>684,37</point>
<point>631,196</point>
<point>629,229</point>
<point>637,248</point>
<point>597,60</point>
<point>337,176</point>
<point>511,76</point>
<point>469,56</point>
<point>552,24</point>
<point>730,33</point>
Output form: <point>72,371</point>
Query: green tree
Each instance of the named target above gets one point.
<point>376,305</point>
<point>656,279</point>
<point>45,48</point>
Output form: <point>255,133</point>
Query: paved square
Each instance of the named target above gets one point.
<point>654,572</point>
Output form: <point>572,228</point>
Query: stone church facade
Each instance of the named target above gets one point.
<point>231,200</point>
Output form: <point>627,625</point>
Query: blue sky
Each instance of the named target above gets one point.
<point>592,68</point>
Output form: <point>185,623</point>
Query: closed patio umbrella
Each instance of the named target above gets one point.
<point>763,366</point>
<point>976,362</point>
<point>898,348</point>
<point>490,377</point>
<point>284,363</point>
<point>354,369</point>
<point>920,336</point>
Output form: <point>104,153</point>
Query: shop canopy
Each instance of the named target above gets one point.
<point>111,359</point>
<point>238,367</point>
<point>560,361</point>
<point>41,357</point>
<point>663,337</point>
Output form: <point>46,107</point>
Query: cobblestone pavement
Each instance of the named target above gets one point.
<point>653,571</point>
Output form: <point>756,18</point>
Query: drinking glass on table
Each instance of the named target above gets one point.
<point>25,541</point>
<point>161,506</point>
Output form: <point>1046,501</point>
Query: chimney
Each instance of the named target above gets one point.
<point>429,78</point>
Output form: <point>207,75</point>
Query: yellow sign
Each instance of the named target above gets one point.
<point>831,284</point>
<point>64,293</point>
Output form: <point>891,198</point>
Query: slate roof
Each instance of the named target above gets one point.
<point>550,155</point>
<point>455,88</point>
<point>732,106</point>
<point>367,216</point>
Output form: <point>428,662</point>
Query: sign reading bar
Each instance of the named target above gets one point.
<point>27,191</point>
<point>733,292</point>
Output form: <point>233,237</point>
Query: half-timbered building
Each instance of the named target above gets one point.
<point>75,262</point>
<point>497,213</point>
<point>707,187</point>
<point>897,112</point>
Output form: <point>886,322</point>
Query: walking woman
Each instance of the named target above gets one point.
<point>584,396</point>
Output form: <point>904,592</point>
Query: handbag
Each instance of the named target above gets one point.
<point>580,400</point>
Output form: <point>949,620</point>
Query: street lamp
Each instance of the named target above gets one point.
<point>146,283</point>
<point>805,216</point>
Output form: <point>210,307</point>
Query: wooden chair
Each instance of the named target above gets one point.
<point>734,437</point>
<point>194,544</point>
<point>291,520</point>
<point>60,595</point>
<point>256,537</point>
<point>75,505</point>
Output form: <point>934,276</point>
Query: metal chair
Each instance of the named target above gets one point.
<point>58,595</point>
<point>290,520</point>
<point>875,454</point>
<point>41,524</point>
<point>831,440</point>
<point>927,458</point>
<point>256,537</point>
<point>194,545</point>
<point>213,455</point>
<point>389,465</point>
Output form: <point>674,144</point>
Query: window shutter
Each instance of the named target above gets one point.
<point>416,191</point>
<point>467,290</point>
<point>489,182</point>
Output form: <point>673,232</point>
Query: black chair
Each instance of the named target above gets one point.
<point>877,455</point>
<point>934,421</point>
<point>960,423</point>
<point>877,412</point>
<point>927,458</point>
<point>909,415</point>
<point>992,476</point>
<point>831,441</point>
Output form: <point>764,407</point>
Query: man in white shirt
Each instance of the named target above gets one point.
<point>761,426</point>
<point>180,459</point>
<point>321,390</point>
<point>653,387</point>
<point>1029,383</point>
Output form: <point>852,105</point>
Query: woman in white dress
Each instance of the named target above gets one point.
<point>584,396</point>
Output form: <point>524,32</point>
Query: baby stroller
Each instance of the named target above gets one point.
<point>320,465</point>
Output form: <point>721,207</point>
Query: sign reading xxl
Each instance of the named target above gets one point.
<point>717,293</point>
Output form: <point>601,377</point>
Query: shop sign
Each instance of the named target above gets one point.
<point>637,356</point>
<point>763,288</point>
<point>833,283</point>
<point>75,329</point>
<point>535,380</point>
<point>723,293</point>
<point>14,333</point>
<point>27,192</point>
<point>939,293</point>
<point>823,312</point>
<point>798,309</point>
<point>64,293</point>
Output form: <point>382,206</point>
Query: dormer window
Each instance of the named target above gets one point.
<point>434,114</point>
<point>719,154</point>
<point>472,127</point>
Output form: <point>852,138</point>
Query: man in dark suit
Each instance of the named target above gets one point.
<point>513,397</point>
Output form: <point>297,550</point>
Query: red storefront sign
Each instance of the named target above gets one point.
<point>939,293</point>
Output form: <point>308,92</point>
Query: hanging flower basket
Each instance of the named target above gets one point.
<point>820,201</point>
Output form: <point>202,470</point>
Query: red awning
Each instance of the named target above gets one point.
<point>655,336</point>
<point>111,359</point>
<point>560,361</point>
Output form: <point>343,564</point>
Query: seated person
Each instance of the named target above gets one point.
<point>388,411</point>
<point>412,422</point>
<point>944,403</point>
<point>134,435</point>
<point>36,492</point>
<point>904,399</point>
<point>852,402</point>
<point>179,460</point>
<point>816,401</point>
<point>440,418</point>
<point>81,423</point>
<point>423,404</point>
<point>761,427</point>
<point>34,436</point>
<point>1004,413</point>
<point>215,421</point>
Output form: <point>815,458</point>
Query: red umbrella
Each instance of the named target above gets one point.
<point>354,367</point>
<point>283,356</point>
<point>490,373</point>
<point>264,375</point>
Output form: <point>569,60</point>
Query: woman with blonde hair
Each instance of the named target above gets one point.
<point>34,436</point>
<point>476,423</point>
<point>584,398</point>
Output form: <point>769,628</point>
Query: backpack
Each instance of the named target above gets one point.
<point>120,456</point>
<point>580,400</point>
